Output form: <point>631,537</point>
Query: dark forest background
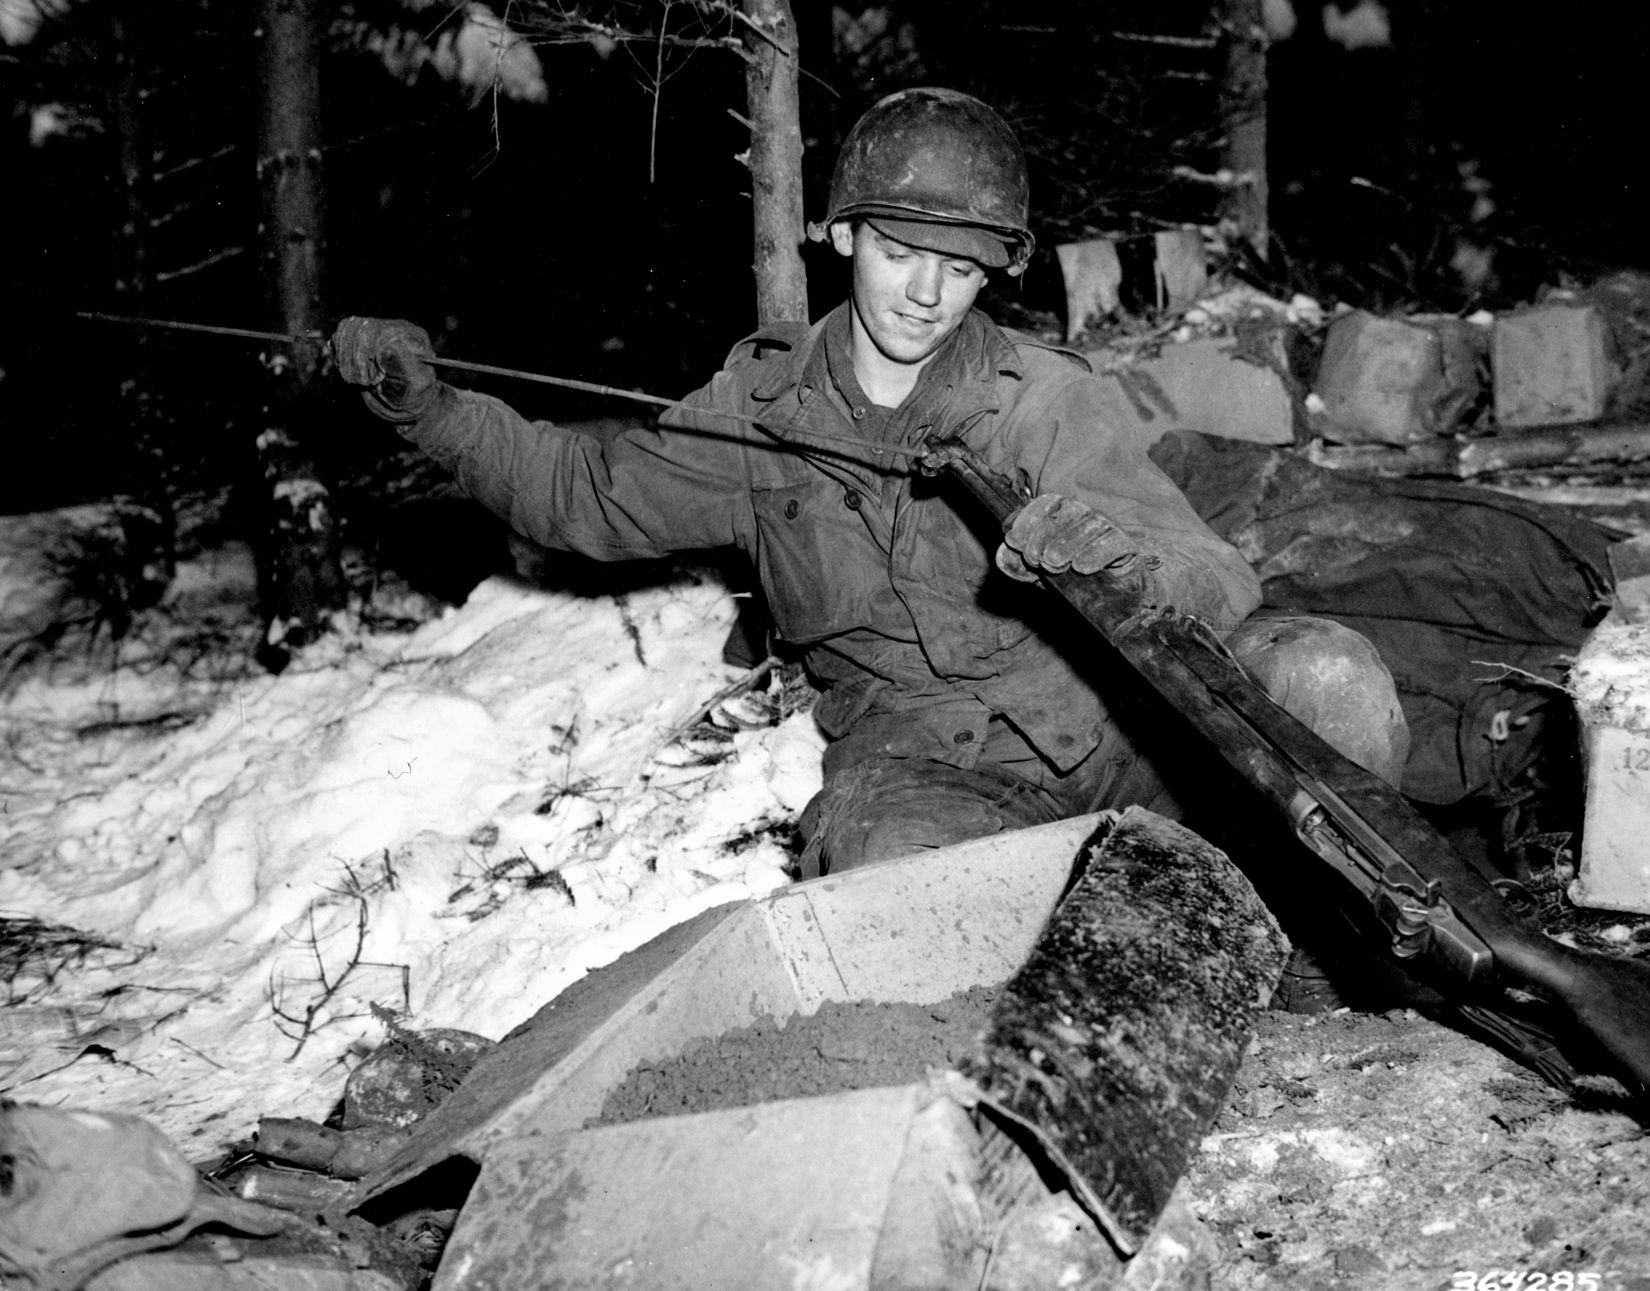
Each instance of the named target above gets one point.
<point>1478,158</point>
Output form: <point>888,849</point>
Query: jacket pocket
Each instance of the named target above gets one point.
<point>820,569</point>
<point>965,610</point>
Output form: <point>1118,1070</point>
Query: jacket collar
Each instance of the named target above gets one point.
<point>973,356</point>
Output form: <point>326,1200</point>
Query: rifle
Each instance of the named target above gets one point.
<point>1434,907</point>
<point>1431,905</point>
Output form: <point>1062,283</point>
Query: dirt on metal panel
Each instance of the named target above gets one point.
<point>1118,1041</point>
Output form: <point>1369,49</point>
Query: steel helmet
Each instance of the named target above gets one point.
<point>936,168</point>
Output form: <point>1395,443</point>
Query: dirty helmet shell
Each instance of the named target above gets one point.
<point>938,169</point>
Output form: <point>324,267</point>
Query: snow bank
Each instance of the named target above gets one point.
<point>454,824</point>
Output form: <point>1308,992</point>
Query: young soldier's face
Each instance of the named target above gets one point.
<point>906,300</point>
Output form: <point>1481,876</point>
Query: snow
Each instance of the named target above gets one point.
<point>1611,677</point>
<point>482,53</point>
<point>21,20</point>
<point>453,823</point>
<point>1366,25</point>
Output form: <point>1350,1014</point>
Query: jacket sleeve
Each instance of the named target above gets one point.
<point>1068,441</point>
<point>638,492</point>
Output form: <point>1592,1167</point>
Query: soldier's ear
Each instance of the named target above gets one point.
<point>842,237</point>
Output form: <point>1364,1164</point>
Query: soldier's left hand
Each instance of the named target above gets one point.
<point>1052,534</point>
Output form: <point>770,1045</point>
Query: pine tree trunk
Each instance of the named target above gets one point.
<point>301,579</point>
<point>775,159</point>
<point>148,554</point>
<point>771,92</point>
<point>1243,113</point>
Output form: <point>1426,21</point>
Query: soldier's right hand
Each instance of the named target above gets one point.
<point>390,357</point>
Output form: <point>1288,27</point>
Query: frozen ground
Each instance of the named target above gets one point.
<point>210,873</point>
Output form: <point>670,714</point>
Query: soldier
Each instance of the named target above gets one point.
<point>955,703</point>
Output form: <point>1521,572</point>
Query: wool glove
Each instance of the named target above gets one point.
<point>1053,534</point>
<point>391,358</point>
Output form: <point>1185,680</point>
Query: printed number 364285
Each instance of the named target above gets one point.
<point>1522,1280</point>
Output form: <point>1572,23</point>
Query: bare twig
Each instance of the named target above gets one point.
<point>635,37</point>
<point>189,164</point>
<point>203,1057</point>
<point>658,87</point>
<point>217,257</point>
<point>1508,670</point>
<point>632,629</point>
<point>1157,38</point>
<point>300,1025</point>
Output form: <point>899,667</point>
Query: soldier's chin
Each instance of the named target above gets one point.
<point>902,347</point>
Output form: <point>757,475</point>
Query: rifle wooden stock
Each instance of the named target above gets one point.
<point>1436,905</point>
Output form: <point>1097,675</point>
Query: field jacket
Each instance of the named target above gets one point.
<point>883,577</point>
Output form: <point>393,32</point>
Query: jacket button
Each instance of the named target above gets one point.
<point>793,508</point>
<point>852,499</point>
<point>963,737</point>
